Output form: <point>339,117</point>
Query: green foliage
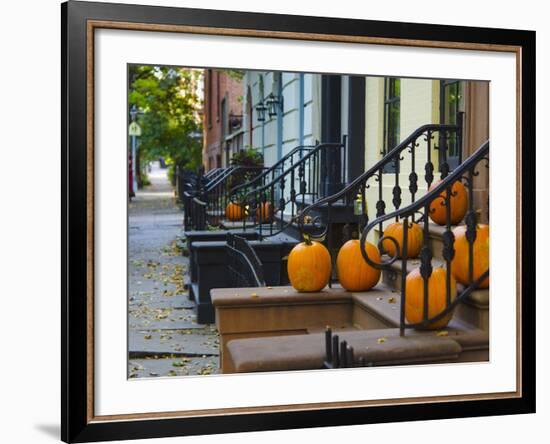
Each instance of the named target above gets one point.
<point>168,100</point>
<point>145,180</point>
<point>250,158</point>
<point>247,157</point>
<point>171,173</point>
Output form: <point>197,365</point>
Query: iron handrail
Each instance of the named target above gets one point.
<point>297,165</point>
<point>277,165</point>
<point>422,206</point>
<point>215,172</point>
<point>380,165</point>
<point>226,174</point>
<point>256,198</point>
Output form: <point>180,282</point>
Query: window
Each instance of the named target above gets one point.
<point>209,97</point>
<point>224,123</point>
<point>450,110</point>
<point>217,96</point>
<point>392,114</point>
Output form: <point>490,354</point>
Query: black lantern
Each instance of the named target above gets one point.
<point>261,109</point>
<point>272,103</point>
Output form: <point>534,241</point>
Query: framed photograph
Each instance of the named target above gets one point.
<point>275,221</point>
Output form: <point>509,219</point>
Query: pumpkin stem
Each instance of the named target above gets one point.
<point>307,239</point>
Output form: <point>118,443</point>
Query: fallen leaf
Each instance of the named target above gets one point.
<point>178,364</point>
<point>381,340</point>
<point>392,300</point>
<point>442,333</point>
<point>147,337</point>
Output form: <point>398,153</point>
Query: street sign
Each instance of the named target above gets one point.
<point>134,129</point>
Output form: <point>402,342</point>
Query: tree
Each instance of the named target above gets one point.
<point>169,101</point>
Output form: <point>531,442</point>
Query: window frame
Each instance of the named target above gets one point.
<point>456,159</point>
<point>389,101</point>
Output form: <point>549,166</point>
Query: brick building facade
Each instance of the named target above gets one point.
<point>223,129</point>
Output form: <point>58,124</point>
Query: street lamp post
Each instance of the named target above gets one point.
<point>134,131</point>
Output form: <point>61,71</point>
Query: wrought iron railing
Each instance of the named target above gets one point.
<point>340,354</point>
<point>419,212</point>
<point>245,267</point>
<point>274,206</point>
<point>405,160</point>
<point>215,172</point>
<point>217,195</point>
<point>194,182</point>
<point>271,173</point>
<point>206,204</point>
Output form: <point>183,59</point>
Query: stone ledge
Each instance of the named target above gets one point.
<point>307,352</point>
<point>382,302</point>
<point>377,302</point>
<point>286,295</point>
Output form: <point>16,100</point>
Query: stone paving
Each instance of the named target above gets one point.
<point>164,338</point>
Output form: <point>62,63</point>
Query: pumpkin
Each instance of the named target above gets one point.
<point>309,266</point>
<point>415,239</point>
<point>437,297</point>
<point>264,212</point>
<point>234,212</point>
<point>461,259</point>
<point>354,273</point>
<point>459,204</point>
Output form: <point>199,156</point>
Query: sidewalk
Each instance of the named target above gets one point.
<point>164,338</point>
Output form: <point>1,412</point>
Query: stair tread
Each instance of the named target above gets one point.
<point>412,263</point>
<point>435,230</point>
<point>385,304</point>
<point>231,225</point>
<point>438,230</point>
<point>215,213</point>
<point>479,297</point>
<point>379,346</point>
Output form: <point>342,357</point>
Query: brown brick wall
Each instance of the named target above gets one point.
<point>217,86</point>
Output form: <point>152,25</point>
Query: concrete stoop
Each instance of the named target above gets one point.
<point>378,347</point>
<point>275,329</point>
<point>474,310</point>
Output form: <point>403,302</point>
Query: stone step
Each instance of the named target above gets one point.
<point>227,224</point>
<point>377,347</point>
<point>384,304</point>
<point>435,238</point>
<point>391,276</point>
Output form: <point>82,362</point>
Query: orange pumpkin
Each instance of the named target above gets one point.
<point>459,265</point>
<point>415,239</point>
<point>309,266</point>
<point>354,273</point>
<point>437,297</point>
<point>264,212</point>
<point>234,212</point>
<point>459,204</point>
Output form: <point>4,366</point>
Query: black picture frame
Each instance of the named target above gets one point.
<point>76,423</point>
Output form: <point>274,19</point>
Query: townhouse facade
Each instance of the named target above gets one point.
<point>273,112</point>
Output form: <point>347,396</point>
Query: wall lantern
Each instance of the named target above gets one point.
<point>261,109</point>
<point>273,102</point>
